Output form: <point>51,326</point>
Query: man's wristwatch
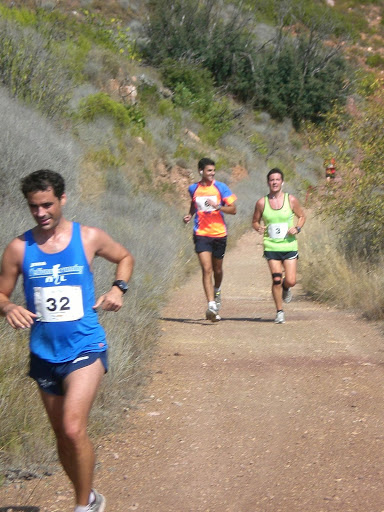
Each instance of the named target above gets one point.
<point>122,285</point>
<point>298,229</point>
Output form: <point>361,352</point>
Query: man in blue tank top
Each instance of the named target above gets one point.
<point>67,344</point>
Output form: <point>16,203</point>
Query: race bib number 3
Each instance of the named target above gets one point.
<point>58,303</point>
<point>278,231</point>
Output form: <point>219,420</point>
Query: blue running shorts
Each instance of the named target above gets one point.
<point>50,376</point>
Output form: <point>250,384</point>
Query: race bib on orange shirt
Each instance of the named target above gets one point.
<point>203,205</point>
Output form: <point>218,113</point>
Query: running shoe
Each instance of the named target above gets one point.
<point>98,505</point>
<point>212,315</point>
<point>280,318</point>
<point>287,295</point>
<point>218,299</point>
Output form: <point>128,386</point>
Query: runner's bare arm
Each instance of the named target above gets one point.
<point>299,212</point>
<point>17,316</point>
<point>257,215</point>
<point>98,243</point>
<point>192,211</point>
<point>229,209</point>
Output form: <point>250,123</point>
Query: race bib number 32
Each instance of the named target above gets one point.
<point>58,303</point>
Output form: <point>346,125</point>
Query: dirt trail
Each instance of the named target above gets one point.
<point>245,415</point>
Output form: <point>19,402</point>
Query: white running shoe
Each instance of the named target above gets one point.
<point>212,315</point>
<point>287,295</point>
<point>280,318</point>
<point>218,299</point>
<point>98,505</point>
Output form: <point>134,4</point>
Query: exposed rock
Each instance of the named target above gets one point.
<point>192,135</point>
<point>239,173</point>
<point>121,89</point>
<point>165,92</point>
<point>179,177</point>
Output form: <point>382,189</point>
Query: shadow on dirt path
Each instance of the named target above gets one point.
<point>245,415</point>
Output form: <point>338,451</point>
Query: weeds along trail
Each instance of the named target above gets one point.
<point>245,415</point>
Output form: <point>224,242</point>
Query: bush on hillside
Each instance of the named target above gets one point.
<point>293,82</point>
<point>375,61</point>
<point>197,79</point>
<point>355,203</point>
<point>196,32</point>
<point>193,88</point>
<point>296,77</point>
<point>100,104</point>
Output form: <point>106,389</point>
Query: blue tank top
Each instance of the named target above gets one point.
<point>59,288</point>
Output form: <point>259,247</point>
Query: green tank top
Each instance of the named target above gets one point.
<point>278,222</point>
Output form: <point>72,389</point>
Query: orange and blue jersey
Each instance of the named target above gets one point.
<point>208,221</point>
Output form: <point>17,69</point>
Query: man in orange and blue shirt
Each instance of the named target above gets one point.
<point>210,199</point>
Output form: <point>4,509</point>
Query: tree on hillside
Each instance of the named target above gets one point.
<point>293,74</point>
<point>297,81</point>
<point>197,32</point>
<point>356,204</point>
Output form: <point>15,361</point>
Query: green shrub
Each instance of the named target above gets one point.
<point>375,61</point>
<point>192,77</point>
<point>259,143</point>
<point>25,17</point>
<point>167,108</point>
<point>100,104</point>
<point>216,117</point>
<point>182,152</point>
<point>149,96</point>
<point>196,32</point>
<point>368,83</point>
<point>105,158</point>
<point>193,89</point>
<point>110,33</point>
<point>296,83</point>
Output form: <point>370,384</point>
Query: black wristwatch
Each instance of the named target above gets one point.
<point>298,229</point>
<point>122,285</point>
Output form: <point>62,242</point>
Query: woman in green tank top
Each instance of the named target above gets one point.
<point>277,212</point>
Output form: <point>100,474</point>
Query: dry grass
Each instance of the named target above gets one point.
<point>22,430</point>
<point>330,276</point>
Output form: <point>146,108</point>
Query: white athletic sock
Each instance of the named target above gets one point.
<point>82,508</point>
<point>212,304</point>
<point>216,289</point>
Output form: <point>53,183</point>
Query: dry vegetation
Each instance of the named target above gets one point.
<point>331,276</point>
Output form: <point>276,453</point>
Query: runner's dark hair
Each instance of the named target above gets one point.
<point>203,163</point>
<point>42,180</point>
<point>275,170</point>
